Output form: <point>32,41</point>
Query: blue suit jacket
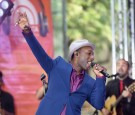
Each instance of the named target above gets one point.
<point>58,94</point>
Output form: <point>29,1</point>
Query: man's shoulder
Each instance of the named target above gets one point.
<point>62,63</point>
<point>130,79</point>
<point>60,59</point>
<point>113,81</point>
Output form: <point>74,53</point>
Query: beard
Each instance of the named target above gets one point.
<point>122,74</point>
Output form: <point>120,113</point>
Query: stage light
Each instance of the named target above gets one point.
<point>1,12</point>
<point>4,4</point>
<point>5,7</point>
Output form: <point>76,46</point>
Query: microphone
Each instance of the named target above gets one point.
<point>42,77</point>
<point>45,84</point>
<point>103,71</point>
<point>115,75</point>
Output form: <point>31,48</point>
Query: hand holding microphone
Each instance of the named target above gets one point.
<point>99,70</point>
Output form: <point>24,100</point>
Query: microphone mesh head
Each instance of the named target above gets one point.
<point>42,77</point>
<point>92,64</point>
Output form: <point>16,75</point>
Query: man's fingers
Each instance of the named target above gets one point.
<point>99,67</point>
<point>126,88</point>
<point>22,20</point>
<point>25,14</point>
<point>21,14</point>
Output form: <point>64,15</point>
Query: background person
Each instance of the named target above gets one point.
<point>6,100</point>
<point>119,86</point>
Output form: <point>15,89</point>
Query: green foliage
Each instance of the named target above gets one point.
<point>90,19</point>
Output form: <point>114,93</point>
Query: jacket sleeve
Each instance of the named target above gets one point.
<point>44,60</point>
<point>97,95</point>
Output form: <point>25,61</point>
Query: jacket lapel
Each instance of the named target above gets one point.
<point>66,76</point>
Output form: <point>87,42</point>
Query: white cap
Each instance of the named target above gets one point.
<point>77,44</point>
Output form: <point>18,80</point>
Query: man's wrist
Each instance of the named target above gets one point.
<point>26,29</point>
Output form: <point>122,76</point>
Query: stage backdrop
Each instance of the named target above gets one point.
<point>20,68</point>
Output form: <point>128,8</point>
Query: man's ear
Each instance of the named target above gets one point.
<point>76,53</point>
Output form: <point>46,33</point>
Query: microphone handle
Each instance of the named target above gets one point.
<point>42,76</point>
<point>103,71</point>
<point>115,75</point>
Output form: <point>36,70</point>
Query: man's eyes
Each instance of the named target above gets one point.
<point>91,53</point>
